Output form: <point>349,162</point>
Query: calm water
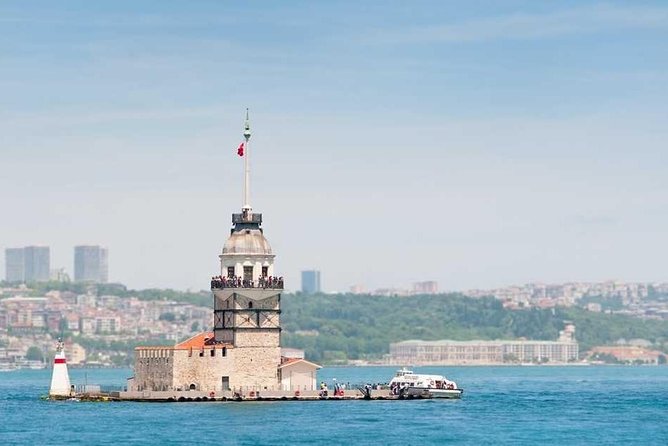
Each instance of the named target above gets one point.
<point>507,405</point>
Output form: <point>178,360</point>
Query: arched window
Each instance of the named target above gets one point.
<point>250,304</point>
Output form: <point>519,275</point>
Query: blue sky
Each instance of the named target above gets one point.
<point>474,143</point>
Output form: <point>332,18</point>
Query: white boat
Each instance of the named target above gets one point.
<point>413,385</point>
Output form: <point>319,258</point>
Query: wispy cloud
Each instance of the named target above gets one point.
<point>520,26</point>
<point>72,118</point>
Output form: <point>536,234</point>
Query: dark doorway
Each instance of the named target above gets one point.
<point>248,273</point>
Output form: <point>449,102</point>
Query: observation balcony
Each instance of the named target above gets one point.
<point>219,283</point>
<point>247,218</point>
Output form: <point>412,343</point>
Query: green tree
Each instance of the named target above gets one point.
<point>34,354</point>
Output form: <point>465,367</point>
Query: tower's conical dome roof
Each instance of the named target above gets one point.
<point>247,241</point>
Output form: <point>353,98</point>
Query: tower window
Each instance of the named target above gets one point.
<point>248,273</point>
<point>224,351</point>
<point>213,352</point>
<point>230,271</point>
<point>265,271</point>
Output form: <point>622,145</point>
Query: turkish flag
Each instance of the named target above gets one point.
<point>240,150</point>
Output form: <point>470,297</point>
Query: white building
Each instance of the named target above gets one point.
<point>418,352</point>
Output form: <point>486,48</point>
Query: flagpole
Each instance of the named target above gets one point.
<point>247,135</point>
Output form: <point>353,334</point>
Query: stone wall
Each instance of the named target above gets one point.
<point>201,370</point>
<point>153,368</point>
<point>257,338</point>
<point>256,368</point>
<point>257,355</point>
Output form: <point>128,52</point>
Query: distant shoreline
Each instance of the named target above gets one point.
<point>561,364</point>
<point>340,366</point>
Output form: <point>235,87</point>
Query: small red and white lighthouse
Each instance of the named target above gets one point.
<point>60,379</point>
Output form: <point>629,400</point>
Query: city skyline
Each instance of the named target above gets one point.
<point>484,144</point>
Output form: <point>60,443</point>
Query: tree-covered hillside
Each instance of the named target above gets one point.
<point>331,327</point>
<point>339,327</point>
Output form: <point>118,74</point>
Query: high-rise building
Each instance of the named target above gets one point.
<point>91,264</point>
<point>311,281</point>
<point>36,263</point>
<point>14,265</point>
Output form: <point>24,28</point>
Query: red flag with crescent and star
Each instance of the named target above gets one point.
<point>240,150</point>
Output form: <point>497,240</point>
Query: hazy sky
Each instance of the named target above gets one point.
<point>474,143</point>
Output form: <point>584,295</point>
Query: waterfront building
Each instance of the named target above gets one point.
<point>91,264</point>
<point>417,352</point>
<point>14,268</point>
<point>311,282</point>
<point>444,352</point>
<point>629,354</point>
<point>243,352</point>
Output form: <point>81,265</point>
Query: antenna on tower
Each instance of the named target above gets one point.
<point>246,209</point>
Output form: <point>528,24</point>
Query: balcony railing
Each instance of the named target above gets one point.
<point>246,218</point>
<point>271,282</point>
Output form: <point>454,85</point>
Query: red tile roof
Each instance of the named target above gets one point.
<point>200,341</point>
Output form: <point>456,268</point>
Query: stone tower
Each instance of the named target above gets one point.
<point>247,296</point>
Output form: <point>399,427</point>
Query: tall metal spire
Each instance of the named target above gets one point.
<point>247,134</point>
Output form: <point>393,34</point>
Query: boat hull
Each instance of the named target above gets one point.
<point>425,392</point>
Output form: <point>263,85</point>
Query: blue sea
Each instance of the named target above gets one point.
<point>500,405</point>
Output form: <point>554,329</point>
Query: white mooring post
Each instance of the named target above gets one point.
<point>60,379</point>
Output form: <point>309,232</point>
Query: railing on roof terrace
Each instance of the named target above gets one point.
<point>246,218</point>
<point>237,282</point>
